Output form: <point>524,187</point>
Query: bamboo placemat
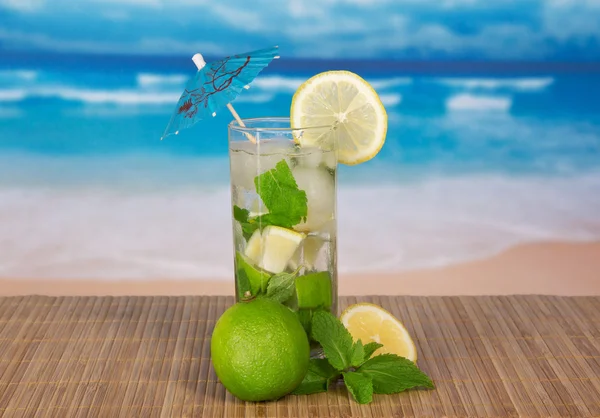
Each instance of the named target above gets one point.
<point>528,356</point>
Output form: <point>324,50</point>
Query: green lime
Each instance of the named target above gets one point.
<point>314,290</point>
<point>247,274</point>
<point>259,350</point>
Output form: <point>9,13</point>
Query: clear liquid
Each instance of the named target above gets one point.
<point>314,261</point>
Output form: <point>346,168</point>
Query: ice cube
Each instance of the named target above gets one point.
<point>327,231</point>
<point>314,157</point>
<point>248,160</point>
<point>307,253</point>
<point>310,157</point>
<point>320,193</point>
<point>330,159</point>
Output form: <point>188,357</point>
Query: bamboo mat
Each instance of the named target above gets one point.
<point>527,356</point>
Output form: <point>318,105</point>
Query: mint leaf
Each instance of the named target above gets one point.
<point>360,386</point>
<point>370,348</point>
<point>279,192</point>
<point>242,284</point>
<point>392,374</point>
<point>334,338</point>
<point>358,354</point>
<point>317,379</point>
<point>248,225</point>
<point>281,286</point>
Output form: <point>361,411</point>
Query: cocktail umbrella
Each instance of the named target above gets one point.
<point>216,85</point>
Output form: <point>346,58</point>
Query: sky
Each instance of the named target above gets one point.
<point>544,30</point>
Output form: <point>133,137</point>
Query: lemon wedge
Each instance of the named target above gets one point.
<point>344,101</point>
<point>254,248</point>
<point>369,323</point>
<point>272,249</point>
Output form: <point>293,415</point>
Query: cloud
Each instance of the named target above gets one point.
<point>565,20</point>
<point>401,29</point>
<point>22,5</point>
<point>164,46</point>
<point>246,19</point>
<point>37,5</point>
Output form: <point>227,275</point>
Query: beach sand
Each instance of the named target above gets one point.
<point>544,268</point>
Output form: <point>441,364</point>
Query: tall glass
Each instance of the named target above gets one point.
<point>284,215</point>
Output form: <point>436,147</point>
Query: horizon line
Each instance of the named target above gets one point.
<point>437,65</point>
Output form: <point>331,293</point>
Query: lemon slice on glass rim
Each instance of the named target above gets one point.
<point>346,102</point>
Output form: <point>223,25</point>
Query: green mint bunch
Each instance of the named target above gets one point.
<point>363,374</point>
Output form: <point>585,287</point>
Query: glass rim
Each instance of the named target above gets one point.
<point>235,126</point>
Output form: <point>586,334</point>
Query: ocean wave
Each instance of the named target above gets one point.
<point>255,98</point>
<point>278,83</point>
<point>110,111</point>
<point>10,112</point>
<point>12,95</point>
<point>391,99</point>
<point>519,84</point>
<point>386,83</point>
<point>18,75</point>
<point>94,96</point>
<point>467,101</point>
<point>149,80</point>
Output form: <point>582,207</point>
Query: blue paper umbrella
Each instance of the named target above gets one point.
<point>216,85</point>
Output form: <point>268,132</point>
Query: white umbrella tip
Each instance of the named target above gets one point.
<point>199,61</point>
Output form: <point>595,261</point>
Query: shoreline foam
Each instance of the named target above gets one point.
<point>186,232</point>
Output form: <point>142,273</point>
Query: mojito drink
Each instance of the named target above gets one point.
<point>284,217</point>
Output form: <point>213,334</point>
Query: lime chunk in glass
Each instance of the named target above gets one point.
<point>314,290</point>
<point>258,279</point>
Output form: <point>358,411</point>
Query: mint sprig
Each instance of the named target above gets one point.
<point>359,385</point>
<point>243,217</point>
<point>282,286</point>
<point>320,374</point>
<point>363,375</point>
<point>370,348</point>
<point>358,354</point>
<point>334,338</point>
<point>392,374</point>
<point>279,192</point>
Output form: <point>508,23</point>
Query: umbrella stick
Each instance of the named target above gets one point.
<point>200,63</point>
<point>241,123</point>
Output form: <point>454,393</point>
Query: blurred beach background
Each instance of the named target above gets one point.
<point>489,181</point>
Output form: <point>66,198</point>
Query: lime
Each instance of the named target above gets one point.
<point>257,279</point>
<point>314,290</point>
<point>259,350</point>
